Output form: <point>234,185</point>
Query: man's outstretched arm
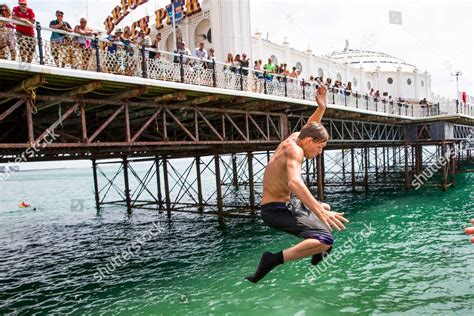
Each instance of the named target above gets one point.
<point>321,100</point>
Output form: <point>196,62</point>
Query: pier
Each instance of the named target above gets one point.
<point>213,123</point>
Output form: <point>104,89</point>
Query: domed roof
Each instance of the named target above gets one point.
<point>370,60</point>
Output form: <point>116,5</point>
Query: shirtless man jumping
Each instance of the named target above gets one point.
<point>309,219</point>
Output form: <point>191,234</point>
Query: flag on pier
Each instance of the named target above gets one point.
<point>178,10</point>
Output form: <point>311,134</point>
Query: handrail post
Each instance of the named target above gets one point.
<point>265,82</point>
<point>241,79</point>
<point>345,98</point>
<point>304,91</point>
<point>40,43</point>
<point>181,68</point>
<point>214,81</point>
<point>357,100</point>
<point>286,86</point>
<point>144,68</point>
<point>95,43</point>
<point>367,98</point>
<point>412,110</point>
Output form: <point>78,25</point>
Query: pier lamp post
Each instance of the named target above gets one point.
<point>457,74</point>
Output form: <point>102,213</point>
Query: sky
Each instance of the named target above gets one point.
<point>435,35</point>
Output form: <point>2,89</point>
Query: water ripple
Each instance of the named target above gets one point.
<point>415,261</point>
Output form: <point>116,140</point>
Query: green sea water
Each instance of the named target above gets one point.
<point>415,259</point>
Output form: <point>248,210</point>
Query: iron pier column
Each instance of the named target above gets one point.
<point>96,183</point>
<point>126,183</point>
<point>167,187</point>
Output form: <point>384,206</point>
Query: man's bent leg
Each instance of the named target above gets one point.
<point>269,261</point>
<point>296,222</point>
<point>306,248</point>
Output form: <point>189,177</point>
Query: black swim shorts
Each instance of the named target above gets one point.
<point>296,220</point>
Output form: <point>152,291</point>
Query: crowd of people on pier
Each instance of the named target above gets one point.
<point>120,52</point>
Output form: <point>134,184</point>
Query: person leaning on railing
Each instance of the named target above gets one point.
<point>229,70</point>
<point>84,44</point>
<point>257,86</point>
<point>236,64</point>
<point>293,74</point>
<point>349,88</point>
<point>61,44</point>
<point>129,43</point>
<point>425,108</point>
<point>348,93</point>
<point>229,64</point>
<point>245,62</point>
<point>211,57</point>
<point>391,105</point>
<point>270,69</point>
<point>154,46</point>
<point>200,52</point>
<point>285,72</point>
<point>143,39</point>
<point>182,50</point>
<point>7,35</point>
<point>111,62</point>
<point>25,34</point>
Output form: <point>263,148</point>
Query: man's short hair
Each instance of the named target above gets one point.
<point>314,130</point>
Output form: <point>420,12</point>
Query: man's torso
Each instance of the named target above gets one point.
<point>29,14</point>
<point>55,36</point>
<point>200,53</point>
<point>275,179</point>
<point>269,67</point>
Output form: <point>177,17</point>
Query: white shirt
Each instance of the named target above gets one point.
<point>200,53</point>
<point>185,52</point>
